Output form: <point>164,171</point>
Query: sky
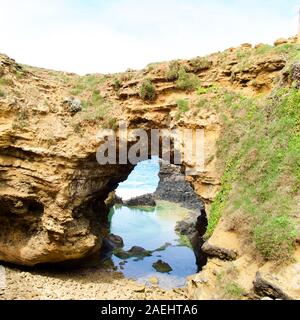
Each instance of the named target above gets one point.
<point>106,36</point>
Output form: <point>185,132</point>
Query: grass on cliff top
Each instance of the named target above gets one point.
<point>247,57</point>
<point>87,83</point>
<point>96,109</point>
<point>260,150</point>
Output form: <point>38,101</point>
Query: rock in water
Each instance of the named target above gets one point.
<point>139,252</point>
<point>134,252</point>
<point>145,200</point>
<point>115,241</point>
<point>162,267</point>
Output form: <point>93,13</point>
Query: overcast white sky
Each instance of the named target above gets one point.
<point>86,36</point>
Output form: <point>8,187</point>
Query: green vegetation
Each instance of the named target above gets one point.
<point>228,286</point>
<point>173,71</point>
<point>20,73</point>
<point>95,109</point>
<point>202,90</point>
<point>147,91</point>
<point>21,120</point>
<point>260,150</point>
<point>200,64</point>
<point>273,234</point>
<point>5,82</point>
<point>184,241</point>
<point>187,81</point>
<point>183,107</point>
<point>117,84</point>
<point>2,94</point>
<point>264,49</point>
<point>86,84</point>
<point>222,198</point>
<point>234,291</point>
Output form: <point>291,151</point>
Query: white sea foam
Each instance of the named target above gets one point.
<point>127,194</point>
<point>144,179</point>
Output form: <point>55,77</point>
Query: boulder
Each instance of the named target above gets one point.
<point>265,288</point>
<point>162,267</point>
<point>280,41</point>
<point>73,105</point>
<point>217,252</point>
<point>115,241</point>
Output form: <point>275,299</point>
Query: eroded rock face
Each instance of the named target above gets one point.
<point>52,190</point>
<point>221,253</point>
<point>170,176</point>
<point>296,74</point>
<point>265,288</point>
<point>66,223</point>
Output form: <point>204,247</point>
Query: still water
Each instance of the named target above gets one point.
<point>152,230</point>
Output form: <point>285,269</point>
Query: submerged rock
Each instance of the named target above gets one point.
<point>154,281</point>
<point>134,252</point>
<point>186,228</point>
<point>162,267</point>
<point>138,252</point>
<point>145,200</point>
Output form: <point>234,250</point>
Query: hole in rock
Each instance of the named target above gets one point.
<point>156,226</point>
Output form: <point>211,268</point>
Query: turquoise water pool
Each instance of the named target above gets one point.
<point>152,229</point>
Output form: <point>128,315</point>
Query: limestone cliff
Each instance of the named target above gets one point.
<point>52,190</point>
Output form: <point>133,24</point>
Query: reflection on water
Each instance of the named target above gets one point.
<point>152,229</point>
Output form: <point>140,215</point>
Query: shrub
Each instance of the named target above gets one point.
<point>233,290</point>
<point>117,84</point>
<point>96,98</point>
<point>173,72</point>
<point>187,81</point>
<point>200,64</point>
<point>2,94</point>
<point>202,91</point>
<point>183,107</point>
<point>147,90</point>
<point>6,82</point>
